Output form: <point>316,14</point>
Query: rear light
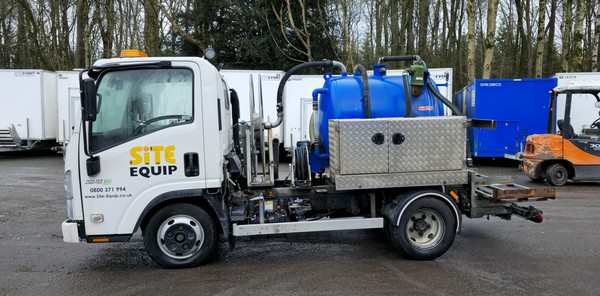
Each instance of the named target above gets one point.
<point>529,148</point>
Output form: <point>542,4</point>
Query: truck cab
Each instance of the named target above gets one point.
<point>160,131</point>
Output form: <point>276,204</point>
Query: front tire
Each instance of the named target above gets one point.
<point>426,230</point>
<point>557,175</point>
<point>180,235</point>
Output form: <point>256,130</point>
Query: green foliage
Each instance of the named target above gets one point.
<point>247,34</point>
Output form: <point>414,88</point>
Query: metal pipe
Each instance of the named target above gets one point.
<point>406,58</point>
<point>275,159</point>
<point>263,154</point>
<point>552,117</point>
<point>315,108</point>
<point>250,169</point>
<point>271,162</point>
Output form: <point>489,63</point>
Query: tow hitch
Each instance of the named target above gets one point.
<point>530,213</point>
<point>501,200</point>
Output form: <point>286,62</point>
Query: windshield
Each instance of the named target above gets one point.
<point>138,101</point>
<point>583,111</point>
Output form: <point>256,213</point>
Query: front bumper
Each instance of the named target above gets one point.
<point>70,231</point>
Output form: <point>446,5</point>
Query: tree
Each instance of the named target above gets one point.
<point>566,34</point>
<point>298,25</point>
<point>82,51</point>
<point>490,38</point>
<point>471,40</point>
<point>577,59</point>
<point>552,59</point>
<point>539,56</point>
<point>423,25</point>
<point>395,45</point>
<point>596,44</point>
<point>107,26</point>
<point>151,27</point>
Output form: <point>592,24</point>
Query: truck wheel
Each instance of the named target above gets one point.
<point>426,231</point>
<point>180,235</point>
<point>557,175</point>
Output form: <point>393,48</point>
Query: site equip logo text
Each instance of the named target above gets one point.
<point>147,161</point>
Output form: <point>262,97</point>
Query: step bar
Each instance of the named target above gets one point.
<point>307,226</point>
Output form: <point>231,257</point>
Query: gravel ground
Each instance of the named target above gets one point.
<point>560,256</point>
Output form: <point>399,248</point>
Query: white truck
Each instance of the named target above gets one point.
<point>160,149</point>
<point>28,113</point>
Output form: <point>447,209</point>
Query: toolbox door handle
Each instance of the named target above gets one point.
<point>378,139</point>
<point>398,138</point>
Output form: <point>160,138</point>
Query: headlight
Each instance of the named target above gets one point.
<point>69,194</point>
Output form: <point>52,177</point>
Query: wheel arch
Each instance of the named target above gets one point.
<point>567,164</point>
<point>407,199</point>
<point>199,197</point>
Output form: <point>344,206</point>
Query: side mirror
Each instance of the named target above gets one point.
<point>598,105</point>
<point>88,99</point>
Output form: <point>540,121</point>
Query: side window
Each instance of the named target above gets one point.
<point>136,102</point>
<point>226,94</point>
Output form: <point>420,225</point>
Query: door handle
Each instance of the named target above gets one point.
<point>191,166</point>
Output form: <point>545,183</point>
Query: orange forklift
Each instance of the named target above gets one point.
<point>563,155</point>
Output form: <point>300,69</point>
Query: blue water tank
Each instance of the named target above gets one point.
<point>342,97</point>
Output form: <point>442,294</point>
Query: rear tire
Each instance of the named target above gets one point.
<point>181,235</point>
<point>426,230</point>
<point>557,175</point>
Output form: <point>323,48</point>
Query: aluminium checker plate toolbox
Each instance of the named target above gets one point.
<point>398,152</point>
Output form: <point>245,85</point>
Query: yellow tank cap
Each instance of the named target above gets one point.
<point>133,53</point>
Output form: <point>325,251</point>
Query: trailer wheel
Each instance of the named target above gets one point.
<point>180,235</point>
<point>426,230</point>
<point>557,175</point>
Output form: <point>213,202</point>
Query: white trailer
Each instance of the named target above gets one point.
<point>241,80</point>
<point>68,102</point>
<point>28,114</point>
<point>298,107</point>
<point>581,113</point>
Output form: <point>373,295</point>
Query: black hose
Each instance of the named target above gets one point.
<point>235,117</point>
<point>288,74</point>
<point>439,96</point>
<point>365,81</point>
<point>407,97</point>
